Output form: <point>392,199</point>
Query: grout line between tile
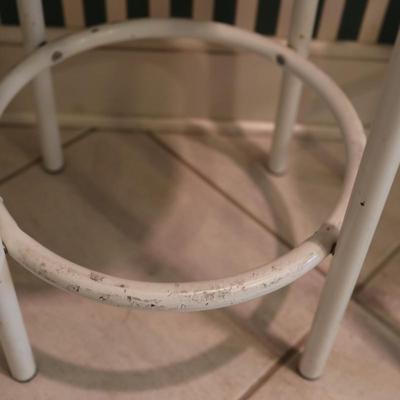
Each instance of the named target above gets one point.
<point>295,350</point>
<point>20,170</point>
<point>80,136</point>
<point>282,361</point>
<point>204,178</point>
<point>85,133</point>
<point>377,270</point>
<point>378,317</point>
<point>36,160</point>
<point>321,271</point>
<point>381,265</point>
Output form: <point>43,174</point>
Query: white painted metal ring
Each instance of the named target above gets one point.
<point>198,295</point>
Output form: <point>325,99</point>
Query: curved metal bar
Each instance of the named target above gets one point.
<point>186,296</point>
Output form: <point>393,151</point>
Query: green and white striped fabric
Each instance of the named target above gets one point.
<point>366,21</point>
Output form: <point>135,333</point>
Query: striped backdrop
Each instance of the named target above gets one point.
<point>366,21</point>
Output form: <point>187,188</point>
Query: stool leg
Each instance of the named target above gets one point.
<point>13,336</point>
<point>302,25</point>
<point>377,171</point>
<point>33,29</point>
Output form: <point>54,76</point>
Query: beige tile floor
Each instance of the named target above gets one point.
<point>180,207</point>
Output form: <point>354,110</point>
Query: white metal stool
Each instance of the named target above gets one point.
<point>201,295</point>
<point>187,296</point>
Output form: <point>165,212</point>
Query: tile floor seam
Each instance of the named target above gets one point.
<point>381,266</point>
<point>379,318</point>
<point>21,170</point>
<point>84,134</point>
<point>285,359</point>
<point>292,349</point>
<point>220,191</point>
<point>357,301</point>
<point>301,136</point>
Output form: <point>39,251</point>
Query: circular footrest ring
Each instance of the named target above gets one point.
<point>197,295</point>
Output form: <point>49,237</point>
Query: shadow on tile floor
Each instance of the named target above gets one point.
<point>110,198</point>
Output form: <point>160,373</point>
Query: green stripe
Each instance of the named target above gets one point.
<point>95,12</point>
<point>225,11</point>
<point>53,12</point>
<point>352,17</point>
<point>181,8</point>
<point>391,23</point>
<point>8,12</point>
<point>267,16</point>
<point>138,8</point>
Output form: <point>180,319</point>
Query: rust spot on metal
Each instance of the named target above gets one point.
<point>74,288</point>
<point>5,248</point>
<point>280,59</point>
<point>96,277</point>
<point>57,55</point>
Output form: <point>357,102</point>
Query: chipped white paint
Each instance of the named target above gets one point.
<point>186,296</point>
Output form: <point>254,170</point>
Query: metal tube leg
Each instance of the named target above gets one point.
<point>13,336</point>
<point>377,171</point>
<point>33,29</point>
<point>302,24</point>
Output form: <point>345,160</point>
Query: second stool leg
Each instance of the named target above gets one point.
<point>33,29</point>
<point>302,25</point>
<point>377,171</point>
<point>13,336</point>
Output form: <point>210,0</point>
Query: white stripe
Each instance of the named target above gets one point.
<point>159,8</point>
<point>330,19</point>
<point>73,13</point>
<point>246,13</point>
<point>203,10</point>
<point>116,10</point>
<point>372,21</point>
<point>285,15</point>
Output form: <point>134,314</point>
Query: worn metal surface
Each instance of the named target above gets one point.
<point>187,296</point>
